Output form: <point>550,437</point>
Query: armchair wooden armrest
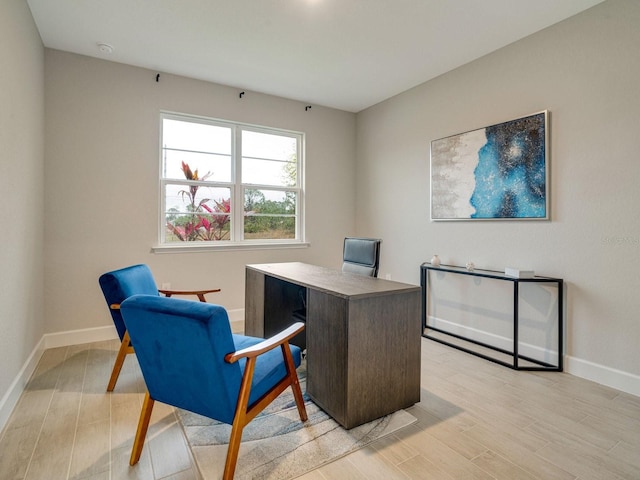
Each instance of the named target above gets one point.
<point>199,293</point>
<point>266,345</point>
<point>246,413</point>
<point>167,293</point>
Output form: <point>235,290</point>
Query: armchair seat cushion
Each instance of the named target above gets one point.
<point>269,367</point>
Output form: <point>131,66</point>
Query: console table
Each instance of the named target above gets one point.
<point>466,344</point>
<point>362,335</point>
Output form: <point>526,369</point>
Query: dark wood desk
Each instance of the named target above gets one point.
<point>362,337</point>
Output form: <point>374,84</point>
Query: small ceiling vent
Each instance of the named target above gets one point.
<point>105,48</point>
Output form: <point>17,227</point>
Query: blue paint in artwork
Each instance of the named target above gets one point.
<point>510,179</point>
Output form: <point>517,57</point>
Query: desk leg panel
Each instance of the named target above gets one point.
<point>254,303</point>
<point>383,355</point>
<point>327,353</point>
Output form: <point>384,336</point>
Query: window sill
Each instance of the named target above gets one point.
<point>190,248</point>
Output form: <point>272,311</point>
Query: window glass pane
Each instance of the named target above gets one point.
<point>197,213</point>
<point>269,172</point>
<point>198,137</point>
<point>269,228</point>
<point>268,146</point>
<point>269,214</point>
<point>269,159</point>
<point>209,167</point>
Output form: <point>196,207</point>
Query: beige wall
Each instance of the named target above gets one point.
<point>586,72</point>
<point>102,163</point>
<point>21,187</point>
<point>99,207</point>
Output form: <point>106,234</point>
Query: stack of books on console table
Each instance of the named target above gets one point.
<point>518,273</point>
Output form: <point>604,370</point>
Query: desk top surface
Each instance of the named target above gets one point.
<point>332,281</point>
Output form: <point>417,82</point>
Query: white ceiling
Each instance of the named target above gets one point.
<point>346,54</point>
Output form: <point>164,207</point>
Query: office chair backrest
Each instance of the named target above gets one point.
<point>119,285</point>
<point>361,256</point>
<point>180,345</point>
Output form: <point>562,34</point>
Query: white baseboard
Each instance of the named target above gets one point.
<point>10,399</point>
<point>623,381</point>
<point>498,341</point>
<point>77,337</point>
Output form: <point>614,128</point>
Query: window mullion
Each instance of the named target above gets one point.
<point>301,190</point>
<point>238,191</point>
<point>162,220</point>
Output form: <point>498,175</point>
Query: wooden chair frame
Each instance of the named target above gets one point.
<point>244,412</point>
<point>125,346</point>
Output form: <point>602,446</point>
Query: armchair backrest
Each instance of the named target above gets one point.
<point>180,345</point>
<point>361,256</point>
<point>119,285</point>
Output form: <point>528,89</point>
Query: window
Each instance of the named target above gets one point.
<point>226,183</point>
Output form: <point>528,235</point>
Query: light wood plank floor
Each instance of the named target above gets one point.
<point>476,420</point>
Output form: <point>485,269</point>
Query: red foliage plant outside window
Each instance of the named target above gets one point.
<point>202,222</point>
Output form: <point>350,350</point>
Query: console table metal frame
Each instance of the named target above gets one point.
<point>362,335</point>
<point>515,354</point>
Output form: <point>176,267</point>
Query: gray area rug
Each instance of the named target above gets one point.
<point>276,444</point>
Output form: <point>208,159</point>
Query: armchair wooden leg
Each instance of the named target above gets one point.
<point>125,348</point>
<point>232,452</point>
<point>143,425</point>
<point>295,383</point>
<point>239,420</point>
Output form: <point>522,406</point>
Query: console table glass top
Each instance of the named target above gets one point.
<point>478,272</point>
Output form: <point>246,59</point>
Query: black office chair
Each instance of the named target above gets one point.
<point>361,256</point>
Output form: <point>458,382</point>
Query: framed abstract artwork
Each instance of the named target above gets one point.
<point>500,172</point>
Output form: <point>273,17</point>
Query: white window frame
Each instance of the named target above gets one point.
<point>237,189</point>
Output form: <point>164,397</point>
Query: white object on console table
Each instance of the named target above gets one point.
<point>518,273</point>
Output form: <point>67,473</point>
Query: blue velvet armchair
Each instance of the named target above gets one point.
<point>121,284</point>
<point>190,359</point>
